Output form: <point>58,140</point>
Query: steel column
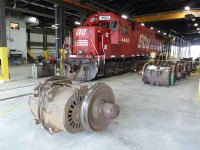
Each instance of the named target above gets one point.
<point>44,40</point>
<point>3,42</point>
<point>62,25</point>
<point>45,51</point>
<point>29,42</point>
<point>28,39</point>
<point>57,30</point>
<point>59,35</point>
<point>82,16</point>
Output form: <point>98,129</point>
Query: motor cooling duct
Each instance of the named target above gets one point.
<point>57,104</point>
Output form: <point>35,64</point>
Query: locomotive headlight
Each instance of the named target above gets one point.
<point>80,52</point>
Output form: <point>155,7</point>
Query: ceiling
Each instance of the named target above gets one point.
<point>44,10</point>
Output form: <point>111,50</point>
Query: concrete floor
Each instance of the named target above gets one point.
<point>151,118</point>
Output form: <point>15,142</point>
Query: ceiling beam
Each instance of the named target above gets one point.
<point>166,16</point>
<point>30,12</point>
<point>80,6</point>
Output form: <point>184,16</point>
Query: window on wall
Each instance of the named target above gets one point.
<point>14,26</point>
<point>124,30</point>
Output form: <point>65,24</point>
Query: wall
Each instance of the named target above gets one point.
<point>37,50</point>
<point>195,51</point>
<point>16,39</point>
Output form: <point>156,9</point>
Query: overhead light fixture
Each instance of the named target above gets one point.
<point>151,28</point>
<point>124,16</point>
<point>158,31</point>
<point>182,36</point>
<point>165,33</point>
<point>77,22</point>
<point>53,26</point>
<point>142,24</point>
<point>198,29</point>
<point>196,24</point>
<point>193,19</point>
<point>187,8</point>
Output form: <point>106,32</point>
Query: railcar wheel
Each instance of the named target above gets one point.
<point>98,108</point>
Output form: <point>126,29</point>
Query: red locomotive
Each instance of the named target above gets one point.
<point>107,44</point>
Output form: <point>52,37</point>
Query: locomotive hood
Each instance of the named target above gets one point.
<point>86,40</point>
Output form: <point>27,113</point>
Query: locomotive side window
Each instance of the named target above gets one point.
<point>132,26</point>
<point>124,30</point>
<point>95,25</point>
<point>114,26</point>
<point>105,25</point>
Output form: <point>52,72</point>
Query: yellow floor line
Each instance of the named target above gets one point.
<point>12,110</point>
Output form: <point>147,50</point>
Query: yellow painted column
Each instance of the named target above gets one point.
<point>46,55</point>
<point>4,64</point>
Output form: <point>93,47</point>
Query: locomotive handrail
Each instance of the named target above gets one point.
<point>102,44</point>
<point>94,46</point>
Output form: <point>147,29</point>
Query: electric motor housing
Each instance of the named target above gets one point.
<point>156,75</point>
<point>57,104</point>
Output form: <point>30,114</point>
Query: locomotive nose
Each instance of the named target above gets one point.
<point>84,70</point>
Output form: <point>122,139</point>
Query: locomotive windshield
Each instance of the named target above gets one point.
<point>105,25</point>
<point>113,27</point>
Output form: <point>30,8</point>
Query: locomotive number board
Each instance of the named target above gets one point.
<point>104,17</point>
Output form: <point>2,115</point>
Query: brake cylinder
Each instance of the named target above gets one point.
<point>57,104</point>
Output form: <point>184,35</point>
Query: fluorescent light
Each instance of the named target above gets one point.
<point>187,8</point>
<point>53,26</point>
<point>198,29</point>
<point>151,28</point>
<point>165,33</point>
<point>158,31</point>
<point>142,24</point>
<point>193,19</point>
<point>196,24</point>
<point>124,16</point>
<point>77,23</point>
